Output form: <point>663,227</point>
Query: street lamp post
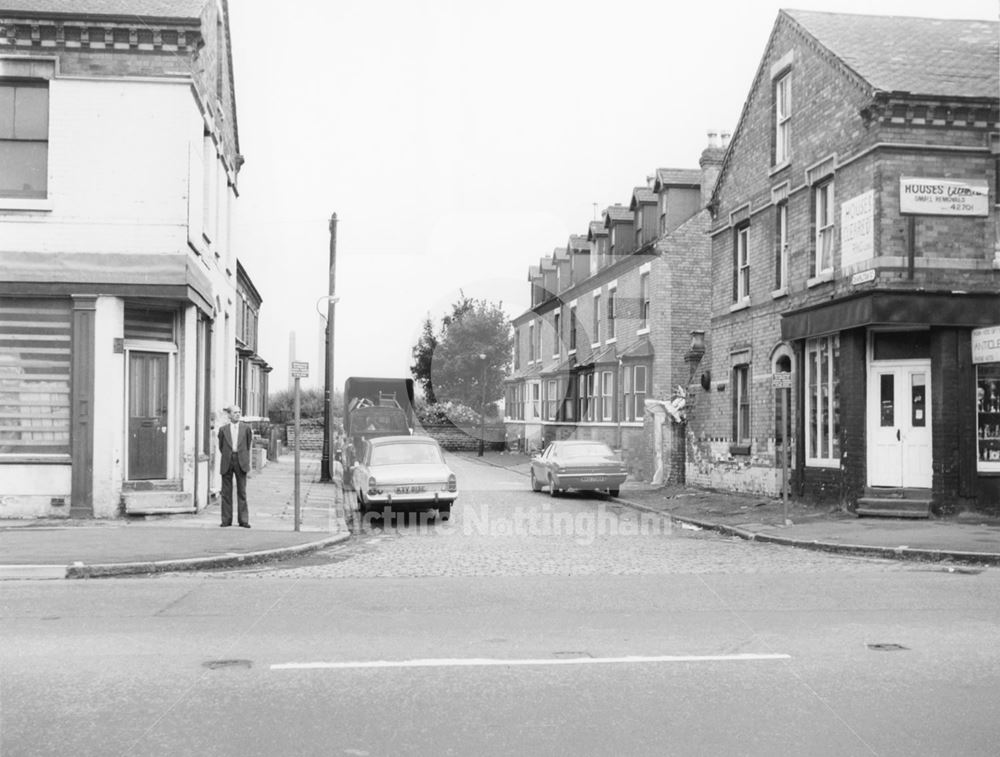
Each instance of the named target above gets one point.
<point>482,409</point>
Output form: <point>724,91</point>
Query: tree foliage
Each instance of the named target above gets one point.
<point>469,357</point>
<point>281,405</point>
<point>423,353</point>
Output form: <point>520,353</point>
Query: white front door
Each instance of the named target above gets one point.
<point>899,424</point>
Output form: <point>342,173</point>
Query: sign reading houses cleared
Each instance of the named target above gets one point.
<point>944,197</point>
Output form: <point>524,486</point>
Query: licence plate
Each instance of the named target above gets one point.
<point>590,479</point>
<point>410,489</point>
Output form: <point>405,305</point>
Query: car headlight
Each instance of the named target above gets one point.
<point>373,486</point>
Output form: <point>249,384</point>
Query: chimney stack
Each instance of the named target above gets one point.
<point>711,164</point>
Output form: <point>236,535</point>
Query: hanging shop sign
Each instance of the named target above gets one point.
<point>944,197</point>
<point>986,345</point>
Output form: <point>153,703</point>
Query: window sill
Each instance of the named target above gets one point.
<point>595,345</point>
<point>640,332</point>
<point>819,463</point>
<point>611,340</point>
<point>29,459</point>
<point>741,305</point>
<point>739,449</point>
<point>572,351</point>
<point>776,169</point>
<point>824,277</point>
<point>13,203</point>
<point>777,294</point>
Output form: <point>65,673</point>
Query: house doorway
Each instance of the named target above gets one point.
<point>148,421</point>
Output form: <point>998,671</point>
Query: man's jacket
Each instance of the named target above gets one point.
<point>236,451</point>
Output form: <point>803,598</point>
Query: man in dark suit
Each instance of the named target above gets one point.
<point>235,440</point>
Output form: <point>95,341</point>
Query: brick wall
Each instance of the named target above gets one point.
<point>458,439</point>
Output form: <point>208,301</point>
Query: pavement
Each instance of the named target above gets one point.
<point>60,548</point>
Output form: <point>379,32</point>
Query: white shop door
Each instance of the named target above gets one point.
<point>899,424</point>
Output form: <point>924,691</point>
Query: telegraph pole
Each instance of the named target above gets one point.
<point>326,474</point>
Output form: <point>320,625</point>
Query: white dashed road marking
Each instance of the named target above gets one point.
<point>499,662</point>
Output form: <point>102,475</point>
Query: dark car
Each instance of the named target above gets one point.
<point>584,465</point>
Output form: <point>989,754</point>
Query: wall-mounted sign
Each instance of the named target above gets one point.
<point>986,345</point>
<point>857,229</point>
<point>944,197</point>
<point>863,277</point>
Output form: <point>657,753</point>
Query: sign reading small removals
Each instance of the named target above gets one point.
<point>944,197</point>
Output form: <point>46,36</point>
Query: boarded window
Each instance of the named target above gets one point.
<point>149,324</point>
<point>35,339</point>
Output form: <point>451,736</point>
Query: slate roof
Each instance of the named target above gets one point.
<point>86,8</point>
<point>918,56</point>
<point>596,230</point>
<point>643,194</point>
<point>617,213</point>
<point>578,242</point>
<point>684,177</point>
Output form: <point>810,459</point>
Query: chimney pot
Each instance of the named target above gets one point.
<point>713,139</point>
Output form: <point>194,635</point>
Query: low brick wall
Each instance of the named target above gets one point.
<point>466,439</point>
<point>311,439</point>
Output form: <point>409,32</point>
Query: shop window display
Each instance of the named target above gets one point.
<point>988,415</point>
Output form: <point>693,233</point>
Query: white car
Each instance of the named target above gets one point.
<point>399,472</point>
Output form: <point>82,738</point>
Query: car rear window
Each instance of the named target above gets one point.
<point>405,453</point>
<point>586,450</point>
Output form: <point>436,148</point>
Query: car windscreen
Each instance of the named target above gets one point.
<point>405,453</point>
<point>585,450</point>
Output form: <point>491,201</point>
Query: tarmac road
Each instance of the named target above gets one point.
<point>434,641</point>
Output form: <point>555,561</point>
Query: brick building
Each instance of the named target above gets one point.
<point>119,155</point>
<point>854,247</point>
<point>610,324</point>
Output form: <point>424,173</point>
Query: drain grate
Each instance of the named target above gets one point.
<point>217,664</point>
<point>886,647</point>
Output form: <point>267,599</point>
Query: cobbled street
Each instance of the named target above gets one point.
<point>499,527</point>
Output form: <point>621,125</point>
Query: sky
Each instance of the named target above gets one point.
<point>460,141</point>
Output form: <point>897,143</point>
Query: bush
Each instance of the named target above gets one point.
<point>281,405</point>
<point>447,412</point>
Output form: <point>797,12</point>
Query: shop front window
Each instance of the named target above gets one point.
<point>822,404</point>
<point>988,416</point>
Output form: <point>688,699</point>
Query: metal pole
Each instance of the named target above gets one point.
<point>482,411</point>
<point>786,430</point>
<point>298,430</point>
<point>325,470</point>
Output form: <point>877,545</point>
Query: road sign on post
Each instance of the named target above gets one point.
<point>299,369</point>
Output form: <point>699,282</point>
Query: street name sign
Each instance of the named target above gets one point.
<point>300,369</point>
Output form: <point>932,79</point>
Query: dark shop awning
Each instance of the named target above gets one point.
<point>892,308</point>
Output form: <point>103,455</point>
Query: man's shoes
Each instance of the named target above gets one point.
<point>225,525</point>
<point>244,525</point>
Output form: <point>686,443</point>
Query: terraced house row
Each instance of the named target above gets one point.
<point>829,304</point>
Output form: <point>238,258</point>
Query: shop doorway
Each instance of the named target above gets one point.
<point>899,424</point>
<point>148,421</point>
